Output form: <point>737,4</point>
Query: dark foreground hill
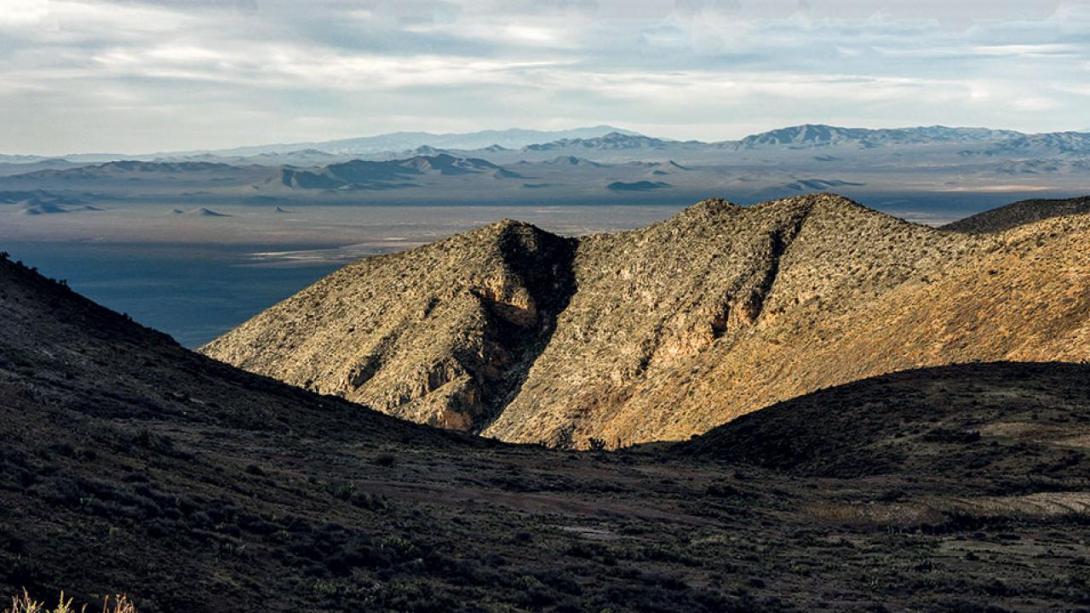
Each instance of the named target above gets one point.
<point>930,421</point>
<point>131,465</point>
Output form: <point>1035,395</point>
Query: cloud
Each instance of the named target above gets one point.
<point>23,12</point>
<point>169,74</point>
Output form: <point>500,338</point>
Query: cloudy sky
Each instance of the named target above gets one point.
<point>154,75</point>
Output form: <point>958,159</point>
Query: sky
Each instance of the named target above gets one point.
<point>132,76</point>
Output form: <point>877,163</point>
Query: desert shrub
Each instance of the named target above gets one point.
<point>596,444</point>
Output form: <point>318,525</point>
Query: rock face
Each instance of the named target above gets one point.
<point>669,331</point>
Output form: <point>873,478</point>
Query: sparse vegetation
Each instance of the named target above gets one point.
<point>23,603</point>
<point>596,444</point>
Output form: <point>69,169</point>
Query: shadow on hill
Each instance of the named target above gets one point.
<point>969,421</point>
<point>544,264</point>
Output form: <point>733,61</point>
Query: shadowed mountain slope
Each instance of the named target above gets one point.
<point>969,422</point>
<point>131,465</point>
<point>1019,213</point>
<point>669,331</point>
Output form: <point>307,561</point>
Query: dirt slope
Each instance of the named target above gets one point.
<point>1027,299</point>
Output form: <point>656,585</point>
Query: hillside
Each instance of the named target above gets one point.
<point>441,335</point>
<point>409,333</point>
<point>358,174</point>
<point>659,311</point>
<point>668,331</point>
<point>1023,297</point>
<point>1017,214</point>
<point>930,421</point>
<point>131,465</point>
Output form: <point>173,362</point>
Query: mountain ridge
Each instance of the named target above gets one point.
<point>671,330</point>
<point>912,169</point>
<point>601,137</point>
<point>678,327</point>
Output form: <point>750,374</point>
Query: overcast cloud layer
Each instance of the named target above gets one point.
<point>127,76</point>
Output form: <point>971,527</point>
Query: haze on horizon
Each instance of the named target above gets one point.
<point>158,75</point>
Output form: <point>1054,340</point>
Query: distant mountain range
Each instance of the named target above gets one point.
<point>586,165</point>
<point>607,144</point>
<point>590,139</point>
<point>401,141</point>
<point>388,174</point>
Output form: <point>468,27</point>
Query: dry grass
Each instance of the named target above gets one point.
<point>23,603</point>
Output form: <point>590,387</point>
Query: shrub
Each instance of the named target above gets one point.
<point>25,604</point>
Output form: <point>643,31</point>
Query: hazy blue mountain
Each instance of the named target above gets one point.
<point>610,145</point>
<point>361,174</point>
<point>900,165</point>
<point>37,196</point>
<point>123,167</point>
<point>570,160</point>
<point>205,212</point>
<point>40,202</point>
<point>401,141</point>
<point>611,141</point>
<point>636,186</point>
<point>1060,142</point>
<point>50,208</point>
<point>19,159</point>
<point>817,135</point>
